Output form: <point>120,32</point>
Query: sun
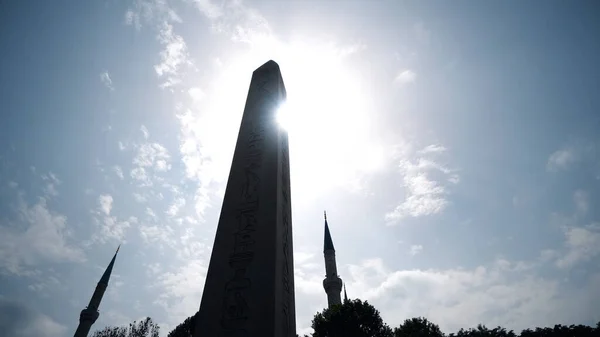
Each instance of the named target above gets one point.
<point>283,116</point>
<point>327,112</point>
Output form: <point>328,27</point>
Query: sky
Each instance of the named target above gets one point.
<point>454,145</point>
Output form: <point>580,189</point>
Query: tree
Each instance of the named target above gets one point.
<point>354,318</point>
<point>185,329</point>
<point>418,327</point>
<point>144,328</point>
<point>483,331</point>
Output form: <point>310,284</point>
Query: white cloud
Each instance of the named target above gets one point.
<point>415,249</point>
<point>152,155</point>
<point>145,131</point>
<point>109,226</point>
<point>423,195</point>
<point>196,94</point>
<point>150,11</point>
<point>182,290</point>
<point>561,160</point>
<point>172,57</point>
<point>118,171</point>
<point>52,182</point>
<point>121,146</point>
<point>209,9</point>
<point>40,236</point>
<point>151,213</point>
<point>500,294</point>
<point>133,18</point>
<point>105,202</point>
<point>162,234</point>
<point>433,148</point>
<point>236,20</point>
<point>153,269</point>
<point>406,76</point>
<point>105,79</point>
<point>149,157</point>
<point>582,244</point>
<point>174,208</point>
<point>139,197</point>
<point>308,274</point>
<point>139,174</point>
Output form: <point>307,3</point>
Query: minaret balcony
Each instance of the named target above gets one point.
<point>88,315</point>
<point>332,283</point>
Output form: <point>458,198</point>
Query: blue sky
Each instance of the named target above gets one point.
<point>453,144</point>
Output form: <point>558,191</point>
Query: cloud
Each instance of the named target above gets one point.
<point>308,273</point>
<point>139,174</point>
<point>561,160</point>
<point>172,57</point>
<point>423,194</point>
<point>105,201</point>
<point>112,229</point>
<point>504,293</point>
<point>145,131</point>
<point>40,235</point>
<point>209,9</point>
<point>152,155</point>
<point>151,158</point>
<point>236,20</point>
<point>433,148</point>
<point>415,249</point>
<point>406,76</point>
<point>105,79</point>
<point>139,197</point>
<point>196,94</point>
<point>52,182</point>
<point>174,208</point>
<point>109,227</point>
<point>162,234</point>
<point>118,171</point>
<point>582,244</point>
<point>182,290</point>
<point>18,320</point>
<point>150,11</point>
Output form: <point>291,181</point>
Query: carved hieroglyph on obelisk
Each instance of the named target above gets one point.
<point>249,289</point>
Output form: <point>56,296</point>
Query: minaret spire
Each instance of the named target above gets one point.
<point>90,314</point>
<point>328,244</point>
<point>332,282</point>
<point>345,295</point>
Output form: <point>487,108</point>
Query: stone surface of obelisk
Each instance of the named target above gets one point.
<point>249,289</point>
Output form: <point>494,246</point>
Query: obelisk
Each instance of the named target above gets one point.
<point>249,289</point>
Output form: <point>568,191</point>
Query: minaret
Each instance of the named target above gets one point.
<point>332,282</point>
<point>90,314</point>
<point>345,295</point>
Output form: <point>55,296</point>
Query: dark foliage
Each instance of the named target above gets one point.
<point>352,319</point>
<point>355,318</point>
<point>418,327</point>
<point>145,328</point>
<point>185,329</point>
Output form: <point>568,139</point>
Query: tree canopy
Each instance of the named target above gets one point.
<point>144,328</point>
<point>353,318</point>
<point>185,329</point>
<point>356,318</point>
<point>418,327</point>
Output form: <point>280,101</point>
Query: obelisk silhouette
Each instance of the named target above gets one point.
<point>249,289</point>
